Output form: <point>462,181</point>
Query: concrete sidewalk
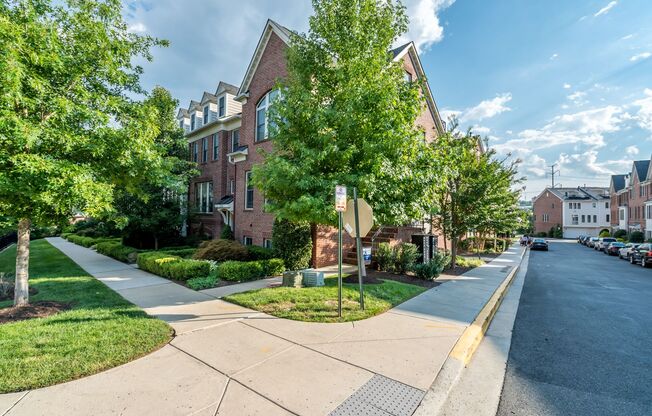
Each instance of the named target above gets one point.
<point>230,360</point>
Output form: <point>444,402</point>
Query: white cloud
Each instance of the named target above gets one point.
<point>567,86</point>
<point>606,9</point>
<point>554,56</point>
<point>631,150</point>
<point>425,28</point>
<point>584,127</point>
<point>640,56</point>
<point>631,35</point>
<point>487,108</point>
<point>578,97</point>
<point>137,27</point>
<point>480,130</point>
<point>535,166</point>
<point>644,114</point>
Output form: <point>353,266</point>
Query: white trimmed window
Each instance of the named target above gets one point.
<point>575,219</point>
<point>216,147</point>
<point>206,114</point>
<point>235,139</point>
<point>222,107</point>
<point>193,120</point>
<point>204,149</point>
<point>267,243</point>
<point>249,191</point>
<point>262,115</point>
<point>247,241</point>
<point>204,197</point>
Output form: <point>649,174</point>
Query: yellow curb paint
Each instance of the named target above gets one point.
<point>472,336</point>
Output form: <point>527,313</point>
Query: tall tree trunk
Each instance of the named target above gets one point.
<point>453,252</point>
<point>155,242</point>
<point>21,289</point>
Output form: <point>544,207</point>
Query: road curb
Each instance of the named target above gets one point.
<point>463,351</point>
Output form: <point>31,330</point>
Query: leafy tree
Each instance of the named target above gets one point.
<point>346,116</point>
<point>293,243</point>
<point>154,211</point>
<point>473,190</point>
<point>69,133</point>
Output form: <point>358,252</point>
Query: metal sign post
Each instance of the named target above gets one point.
<point>340,206</point>
<point>358,243</point>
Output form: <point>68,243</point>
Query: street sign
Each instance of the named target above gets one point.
<point>340,198</point>
<point>365,216</point>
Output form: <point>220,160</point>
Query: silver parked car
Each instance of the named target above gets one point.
<point>626,251</point>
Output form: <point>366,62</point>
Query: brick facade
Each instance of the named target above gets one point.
<point>267,67</point>
<point>547,209</point>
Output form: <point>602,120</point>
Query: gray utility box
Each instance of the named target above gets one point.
<point>427,246</point>
<point>312,278</point>
<point>292,279</point>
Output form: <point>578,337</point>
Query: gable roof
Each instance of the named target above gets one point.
<point>183,113</point>
<point>207,96</point>
<point>397,53</point>
<point>641,167</point>
<point>618,182</point>
<point>270,27</point>
<point>226,87</point>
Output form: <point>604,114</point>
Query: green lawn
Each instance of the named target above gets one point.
<point>319,304</point>
<point>102,330</point>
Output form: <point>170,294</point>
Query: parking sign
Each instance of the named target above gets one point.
<point>340,198</point>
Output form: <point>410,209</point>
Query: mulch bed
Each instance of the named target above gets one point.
<point>33,310</point>
<point>374,277</point>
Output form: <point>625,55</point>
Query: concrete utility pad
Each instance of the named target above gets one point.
<point>304,381</point>
<point>231,347</point>
<point>167,382</point>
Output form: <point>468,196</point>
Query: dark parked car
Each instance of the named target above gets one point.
<point>626,251</point>
<point>613,249</point>
<point>539,244</point>
<point>585,239</point>
<point>580,239</point>
<point>642,255</point>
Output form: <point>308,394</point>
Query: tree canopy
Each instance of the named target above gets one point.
<point>346,116</point>
<point>69,130</point>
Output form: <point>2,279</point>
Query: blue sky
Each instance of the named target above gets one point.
<point>566,82</point>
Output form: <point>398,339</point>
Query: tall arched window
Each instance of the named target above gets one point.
<point>262,115</point>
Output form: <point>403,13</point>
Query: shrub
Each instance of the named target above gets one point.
<point>185,269</point>
<point>273,267</point>
<point>636,237</point>
<point>605,233</point>
<point>385,257</point>
<point>185,253</point>
<point>620,234</point>
<point>89,241</point>
<point>469,262</point>
<point>242,271</point>
<point>173,267</point>
<point>433,268</point>
<point>406,256</point>
<point>221,250</point>
<point>292,243</point>
<point>227,233</point>
<point>116,250</point>
<point>260,253</point>
<point>201,283</point>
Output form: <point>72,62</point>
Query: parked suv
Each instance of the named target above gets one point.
<point>626,251</point>
<point>642,255</point>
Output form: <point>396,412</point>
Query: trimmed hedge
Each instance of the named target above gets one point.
<point>185,253</point>
<point>260,253</point>
<point>221,250</point>
<point>89,241</point>
<point>238,271</point>
<point>173,267</point>
<point>117,250</point>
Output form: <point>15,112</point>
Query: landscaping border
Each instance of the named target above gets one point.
<point>463,350</point>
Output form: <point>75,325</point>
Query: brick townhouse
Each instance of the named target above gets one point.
<point>631,195</point>
<point>226,129</point>
<point>578,211</point>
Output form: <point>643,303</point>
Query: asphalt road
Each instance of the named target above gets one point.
<point>582,340</point>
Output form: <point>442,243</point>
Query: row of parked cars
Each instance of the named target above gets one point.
<point>633,252</point>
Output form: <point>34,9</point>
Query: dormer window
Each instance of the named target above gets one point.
<point>180,124</point>
<point>262,115</point>
<point>192,122</point>
<point>206,114</point>
<point>222,107</point>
